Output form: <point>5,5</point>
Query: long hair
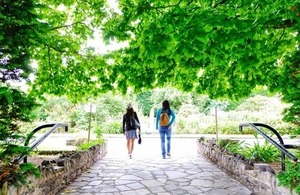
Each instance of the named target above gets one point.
<point>129,112</point>
<point>165,105</point>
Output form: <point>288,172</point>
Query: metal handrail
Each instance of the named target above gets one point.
<point>40,140</point>
<point>280,146</point>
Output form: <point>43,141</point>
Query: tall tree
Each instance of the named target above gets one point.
<point>18,33</point>
<point>221,48</point>
<point>51,36</point>
<point>65,61</point>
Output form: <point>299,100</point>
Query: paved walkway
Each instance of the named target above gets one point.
<point>147,173</point>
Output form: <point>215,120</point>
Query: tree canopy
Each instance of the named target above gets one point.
<point>223,48</point>
<point>52,35</point>
<point>220,48</point>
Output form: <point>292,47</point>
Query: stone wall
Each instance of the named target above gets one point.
<point>59,173</point>
<point>258,177</point>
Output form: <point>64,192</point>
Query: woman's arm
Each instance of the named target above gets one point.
<point>157,118</point>
<point>137,119</point>
<point>123,124</point>
<point>172,118</point>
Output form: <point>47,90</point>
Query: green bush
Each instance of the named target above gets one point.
<point>88,144</point>
<point>17,174</point>
<point>16,107</point>
<point>291,176</point>
<point>233,128</point>
<point>182,127</point>
<point>266,153</point>
<point>211,129</point>
<point>110,127</point>
<point>262,153</point>
<point>233,146</point>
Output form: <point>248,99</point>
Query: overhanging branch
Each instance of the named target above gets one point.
<point>148,6</point>
<point>285,24</point>
<point>67,26</point>
<point>220,3</point>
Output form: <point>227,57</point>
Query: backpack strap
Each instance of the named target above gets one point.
<point>168,111</point>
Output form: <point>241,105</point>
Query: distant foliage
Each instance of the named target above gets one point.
<point>194,113</point>
<point>258,108</point>
<point>109,109</point>
<point>144,102</point>
<point>111,127</point>
<point>176,98</point>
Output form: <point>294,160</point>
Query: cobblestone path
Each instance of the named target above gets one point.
<point>147,173</point>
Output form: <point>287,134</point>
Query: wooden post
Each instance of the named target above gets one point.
<point>89,133</point>
<point>216,118</point>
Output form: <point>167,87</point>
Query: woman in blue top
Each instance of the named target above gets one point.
<point>165,131</point>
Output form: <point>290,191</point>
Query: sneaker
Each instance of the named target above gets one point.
<point>130,156</point>
<point>164,157</point>
<point>168,154</point>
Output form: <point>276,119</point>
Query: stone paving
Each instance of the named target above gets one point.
<point>185,172</point>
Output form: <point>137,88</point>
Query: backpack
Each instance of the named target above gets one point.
<point>134,123</point>
<point>164,118</point>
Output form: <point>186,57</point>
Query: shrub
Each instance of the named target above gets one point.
<point>111,127</point>
<point>15,107</point>
<point>17,174</point>
<point>291,177</point>
<point>88,144</point>
<point>262,153</point>
<point>233,146</point>
<point>211,129</point>
<point>184,127</point>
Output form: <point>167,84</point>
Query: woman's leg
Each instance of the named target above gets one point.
<point>162,133</point>
<point>131,145</point>
<point>169,133</point>
<point>128,146</point>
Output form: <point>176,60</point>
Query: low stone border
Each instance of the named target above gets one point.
<point>260,178</point>
<point>59,173</point>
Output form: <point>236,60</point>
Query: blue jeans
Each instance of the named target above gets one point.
<point>165,132</point>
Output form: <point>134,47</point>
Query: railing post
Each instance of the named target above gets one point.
<point>280,146</point>
<point>40,140</point>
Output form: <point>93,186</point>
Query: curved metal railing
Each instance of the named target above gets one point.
<point>40,140</point>
<point>279,145</point>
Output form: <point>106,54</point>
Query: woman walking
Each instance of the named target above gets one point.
<point>130,124</point>
<point>165,118</point>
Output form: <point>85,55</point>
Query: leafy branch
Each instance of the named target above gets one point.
<point>147,6</point>
<point>285,24</point>
<point>220,3</point>
<point>68,25</point>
